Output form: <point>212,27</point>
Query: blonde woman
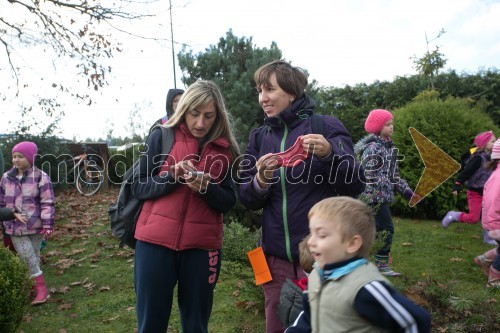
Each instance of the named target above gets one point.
<point>179,230</point>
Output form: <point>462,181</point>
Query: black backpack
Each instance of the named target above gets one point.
<point>124,212</point>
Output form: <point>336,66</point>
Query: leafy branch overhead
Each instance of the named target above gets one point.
<point>70,29</point>
<point>430,63</point>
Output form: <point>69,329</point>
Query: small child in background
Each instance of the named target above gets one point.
<point>28,190</point>
<point>291,297</point>
<point>345,291</point>
<point>473,176</point>
<point>489,262</point>
<point>379,156</point>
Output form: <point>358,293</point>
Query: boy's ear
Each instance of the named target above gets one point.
<point>354,244</point>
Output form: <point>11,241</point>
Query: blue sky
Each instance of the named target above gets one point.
<point>338,42</point>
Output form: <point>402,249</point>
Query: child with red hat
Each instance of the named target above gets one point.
<point>28,190</point>
<point>379,157</point>
<point>489,262</point>
<point>473,176</point>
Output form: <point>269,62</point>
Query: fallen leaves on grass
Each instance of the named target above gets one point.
<point>456,259</point>
<point>65,306</point>
<point>244,304</point>
<point>105,288</point>
<point>60,290</point>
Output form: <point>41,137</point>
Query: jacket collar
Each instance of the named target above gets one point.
<point>12,173</point>
<point>337,271</point>
<point>301,109</point>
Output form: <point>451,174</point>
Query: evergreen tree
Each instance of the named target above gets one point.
<point>232,64</point>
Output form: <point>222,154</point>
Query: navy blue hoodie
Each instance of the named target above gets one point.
<point>287,202</point>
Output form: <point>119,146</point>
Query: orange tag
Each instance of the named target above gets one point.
<point>259,266</point>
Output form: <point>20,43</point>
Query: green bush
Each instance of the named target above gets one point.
<point>238,240</point>
<point>451,124</point>
<point>15,288</point>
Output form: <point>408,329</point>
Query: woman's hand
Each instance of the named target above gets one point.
<point>316,144</point>
<point>21,217</point>
<point>181,169</point>
<point>265,169</point>
<point>197,182</point>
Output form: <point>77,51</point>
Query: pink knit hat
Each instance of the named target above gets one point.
<point>376,120</point>
<point>28,149</point>
<point>495,152</point>
<point>482,139</point>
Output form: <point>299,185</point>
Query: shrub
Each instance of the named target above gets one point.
<point>15,288</point>
<point>238,240</point>
<point>451,124</point>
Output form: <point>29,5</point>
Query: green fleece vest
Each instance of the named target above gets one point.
<point>332,302</point>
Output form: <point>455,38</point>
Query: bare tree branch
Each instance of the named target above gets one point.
<point>72,29</point>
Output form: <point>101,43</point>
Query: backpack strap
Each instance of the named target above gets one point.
<point>316,127</point>
<point>167,140</point>
<point>317,124</point>
<point>258,138</point>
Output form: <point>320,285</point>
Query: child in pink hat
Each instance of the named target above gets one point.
<point>473,176</point>
<point>378,155</point>
<point>28,191</point>
<point>489,262</point>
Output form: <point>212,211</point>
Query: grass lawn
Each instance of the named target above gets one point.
<point>91,279</point>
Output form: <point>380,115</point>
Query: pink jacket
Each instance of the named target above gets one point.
<point>491,201</point>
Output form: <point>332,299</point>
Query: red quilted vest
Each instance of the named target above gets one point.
<point>181,219</point>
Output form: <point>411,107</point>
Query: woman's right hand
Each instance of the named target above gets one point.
<point>181,169</point>
<point>21,218</point>
<point>265,169</point>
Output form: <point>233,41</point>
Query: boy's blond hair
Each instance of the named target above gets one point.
<point>305,257</point>
<point>351,216</point>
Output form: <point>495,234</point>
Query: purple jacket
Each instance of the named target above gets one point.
<point>32,194</point>
<point>380,160</point>
<point>287,202</point>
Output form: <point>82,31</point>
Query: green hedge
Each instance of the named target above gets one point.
<point>451,124</point>
<point>15,287</point>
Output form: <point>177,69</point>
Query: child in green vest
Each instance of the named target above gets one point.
<point>345,292</point>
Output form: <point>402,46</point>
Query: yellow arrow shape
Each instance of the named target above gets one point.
<point>439,166</point>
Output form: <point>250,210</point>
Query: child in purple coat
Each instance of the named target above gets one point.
<point>28,191</point>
